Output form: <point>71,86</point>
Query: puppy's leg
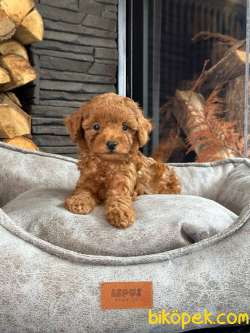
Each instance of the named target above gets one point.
<point>118,205</point>
<point>82,201</point>
<point>119,211</point>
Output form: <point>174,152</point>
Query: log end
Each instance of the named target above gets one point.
<point>7,26</point>
<point>22,142</point>
<point>20,71</point>
<point>31,29</point>
<point>4,76</point>
<point>13,47</point>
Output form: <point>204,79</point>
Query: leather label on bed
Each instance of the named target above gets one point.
<point>126,295</point>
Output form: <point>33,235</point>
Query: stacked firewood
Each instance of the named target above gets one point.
<point>208,111</point>
<point>20,25</point>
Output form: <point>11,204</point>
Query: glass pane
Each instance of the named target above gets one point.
<point>195,95</point>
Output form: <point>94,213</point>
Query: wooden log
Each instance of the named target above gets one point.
<point>19,69</point>
<point>220,44</point>
<point>170,141</point>
<point>31,30</point>
<point>167,120</point>
<point>16,9</point>
<point>13,47</point>
<point>4,76</point>
<point>229,67</point>
<point>207,35</point>
<point>234,93</point>
<point>13,97</point>
<point>167,146</point>
<point>234,89</point>
<point>186,105</point>
<point>242,56</point>
<point>22,142</point>
<point>189,113</point>
<point>13,120</point>
<point>7,26</point>
<point>218,51</point>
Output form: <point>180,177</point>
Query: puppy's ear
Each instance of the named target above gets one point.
<point>144,125</point>
<point>73,123</point>
<point>144,129</point>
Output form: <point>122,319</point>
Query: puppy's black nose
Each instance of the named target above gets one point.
<point>111,145</point>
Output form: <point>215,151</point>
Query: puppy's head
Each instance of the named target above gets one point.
<point>110,126</point>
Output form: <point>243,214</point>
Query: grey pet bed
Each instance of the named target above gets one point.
<point>194,248</point>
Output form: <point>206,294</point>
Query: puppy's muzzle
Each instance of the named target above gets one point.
<point>111,145</point>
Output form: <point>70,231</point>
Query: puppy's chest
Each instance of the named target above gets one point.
<point>103,172</point>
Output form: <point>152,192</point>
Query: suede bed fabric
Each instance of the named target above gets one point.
<point>46,287</point>
<point>164,222</point>
<point>22,170</point>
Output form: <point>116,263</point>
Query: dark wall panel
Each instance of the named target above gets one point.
<point>76,61</point>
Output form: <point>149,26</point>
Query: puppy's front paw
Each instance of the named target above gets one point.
<point>80,204</point>
<point>120,217</point>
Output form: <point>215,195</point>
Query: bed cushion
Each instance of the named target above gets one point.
<point>164,222</point>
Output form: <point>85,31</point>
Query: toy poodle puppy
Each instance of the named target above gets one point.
<point>109,130</point>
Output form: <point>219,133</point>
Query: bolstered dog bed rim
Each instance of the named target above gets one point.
<point>235,160</point>
<point>10,225</point>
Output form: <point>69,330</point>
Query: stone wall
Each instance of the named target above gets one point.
<point>76,60</point>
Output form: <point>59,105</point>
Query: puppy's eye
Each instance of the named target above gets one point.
<point>125,126</point>
<point>96,127</point>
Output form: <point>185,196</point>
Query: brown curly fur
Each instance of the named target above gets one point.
<point>116,177</point>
